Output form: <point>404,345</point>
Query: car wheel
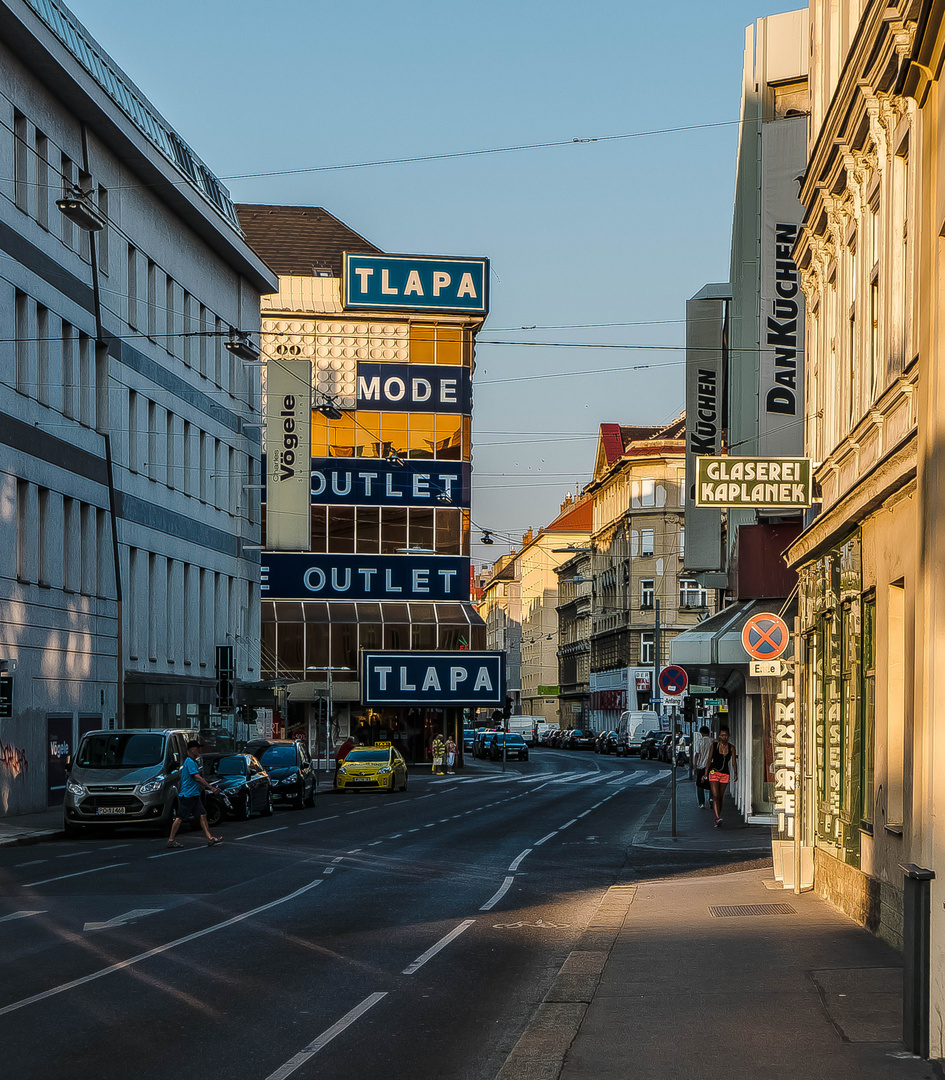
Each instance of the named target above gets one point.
<point>310,801</point>
<point>267,809</point>
<point>242,809</point>
<point>214,813</point>
<point>298,802</point>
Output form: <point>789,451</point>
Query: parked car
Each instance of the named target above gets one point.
<point>600,743</point>
<point>244,781</point>
<point>579,739</point>
<point>481,742</point>
<point>630,728</point>
<point>515,747</point>
<point>469,735</point>
<point>290,769</point>
<point>649,747</point>
<point>665,748</point>
<point>125,777</point>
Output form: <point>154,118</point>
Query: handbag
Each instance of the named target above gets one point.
<point>702,780</point>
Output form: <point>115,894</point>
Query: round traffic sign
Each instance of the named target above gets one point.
<point>765,636</point>
<point>673,680</point>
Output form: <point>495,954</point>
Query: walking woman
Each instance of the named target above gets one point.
<point>723,766</point>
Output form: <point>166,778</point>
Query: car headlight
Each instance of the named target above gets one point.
<point>343,769</point>
<point>386,769</point>
<point>290,779</point>
<point>75,789</point>
<point>150,786</point>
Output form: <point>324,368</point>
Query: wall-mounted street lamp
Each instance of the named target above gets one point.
<point>80,210</point>
<point>329,409</point>
<point>239,344</point>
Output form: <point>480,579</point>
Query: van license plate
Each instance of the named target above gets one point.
<point>110,810</point>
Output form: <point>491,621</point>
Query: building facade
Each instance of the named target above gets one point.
<point>127,579</point>
<point>385,348</point>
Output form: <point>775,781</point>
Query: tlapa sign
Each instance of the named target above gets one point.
<point>416,283</point>
<point>436,678</point>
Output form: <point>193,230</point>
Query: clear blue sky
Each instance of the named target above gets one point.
<point>622,231</point>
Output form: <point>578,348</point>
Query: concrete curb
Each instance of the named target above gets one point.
<point>32,836</point>
<point>541,1051</point>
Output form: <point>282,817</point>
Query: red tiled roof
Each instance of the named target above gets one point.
<point>576,518</point>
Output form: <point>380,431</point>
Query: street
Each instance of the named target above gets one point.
<point>405,935</point>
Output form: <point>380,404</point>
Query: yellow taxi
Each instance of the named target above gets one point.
<point>372,768</point>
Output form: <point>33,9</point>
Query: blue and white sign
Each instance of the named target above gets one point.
<point>291,576</point>
<point>375,482</point>
<point>416,283</point>
<point>434,678</point>
<point>414,388</point>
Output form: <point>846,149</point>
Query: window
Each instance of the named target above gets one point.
<point>132,431</point>
<point>42,179</point>
<point>21,331</point>
<point>101,240</point>
<point>21,161</point>
<point>152,299</point>
<point>132,286</point>
<point>868,735</point>
<point>647,648</point>
<point>646,541</point>
<point>170,315</point>
<point>24,534</point>
<point>646,593</point>
<point>45,538</point>
<point>691,594</point>
<point>67,168</point>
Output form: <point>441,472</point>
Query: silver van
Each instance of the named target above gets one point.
<point>125,777</point>
<point>631,728</point>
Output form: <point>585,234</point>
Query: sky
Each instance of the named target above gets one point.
<point>592,243</point>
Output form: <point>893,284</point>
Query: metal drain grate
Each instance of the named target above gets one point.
<point>751,909</point>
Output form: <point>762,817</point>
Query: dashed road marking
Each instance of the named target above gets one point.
<point>497,896</point>
<point>441,944</point>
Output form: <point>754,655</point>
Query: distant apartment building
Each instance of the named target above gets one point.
<point>128,579</point>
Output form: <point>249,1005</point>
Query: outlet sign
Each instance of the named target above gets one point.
<point>416,283</point>
<point>434,678</point>
<point>288,576</point>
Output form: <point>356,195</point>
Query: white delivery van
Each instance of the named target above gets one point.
<point>631,727</point>
<point>524,726</point>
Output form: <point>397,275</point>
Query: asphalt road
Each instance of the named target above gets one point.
<point>405,936</point>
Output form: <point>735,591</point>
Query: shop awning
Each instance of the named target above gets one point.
<point>441,613</point>
<point>712,652</point>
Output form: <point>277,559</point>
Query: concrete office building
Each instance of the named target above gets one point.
<point>124,455</point>
<point>376,556</point>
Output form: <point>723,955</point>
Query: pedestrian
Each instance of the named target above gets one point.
<point>450,754</point>
<point>439,752</point>
<point>722,767</point>
<point>342,752</point>
<point>189,802</point>
<point>700,759</point>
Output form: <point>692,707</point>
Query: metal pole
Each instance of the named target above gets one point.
<point>328,723</point>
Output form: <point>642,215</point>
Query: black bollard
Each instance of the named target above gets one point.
<point>916,914</point>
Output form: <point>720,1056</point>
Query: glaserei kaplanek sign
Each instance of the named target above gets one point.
<point>772,483</point>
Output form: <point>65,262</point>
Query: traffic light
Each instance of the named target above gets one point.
<point>689,710</point>
<point>507,708</point>
<point>225,677</point>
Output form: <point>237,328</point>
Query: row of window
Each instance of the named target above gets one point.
<point>177,453</point>
<point>373,530</point>
<point>149,298</point>
<point>691,594</point>
<point>623,650</point>
<point>446,437</point>
<point>297,650</point>
<point>62,543</point>
<point>176,611</point>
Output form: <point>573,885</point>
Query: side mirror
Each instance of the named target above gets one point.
<point>175,758</point>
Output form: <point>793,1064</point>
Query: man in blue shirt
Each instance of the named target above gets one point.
<point>189,802</point>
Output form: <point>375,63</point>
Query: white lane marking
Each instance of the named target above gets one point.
<point>394,836</point>
<point>586,812</point>
<point>326,1036</point>
<point>121,965</point>
<point>376,842</point>
<point>73,854</point>
<point>354,851</point>
<point>120,920</point>
<point>114,847</point>
<point>430,825</point>
<point>595,806</point>
<point>340,857</point>
<point>328,870</point>
<point>567,824</point>
<point>250,836</point>
<point>20,915</point>
<point>544,838</point>
<point>32,862</point>
<point>164,854</point>
<point>441,944</point>
<point>442,819</point>
<point>413,830</point>
<point>500,892</point>
<point>79,873</point>
<point>517,860</point>
<point>652,779</point>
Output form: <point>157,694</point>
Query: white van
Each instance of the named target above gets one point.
<point>631,727</point>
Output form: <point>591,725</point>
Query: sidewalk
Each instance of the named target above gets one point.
<point>31,828</point>
<point>689,975</point>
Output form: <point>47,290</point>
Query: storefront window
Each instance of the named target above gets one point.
<point>368,530</point>
<point>319,528</point>
<point>393,529</point>
<point>869,710</point>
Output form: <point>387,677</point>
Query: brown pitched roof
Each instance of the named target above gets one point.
<point>576,518</point>
<point>299,240</point>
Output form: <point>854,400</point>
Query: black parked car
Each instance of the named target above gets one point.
<point>665,749</point>
<point>243,781</point>
<point>515,747</point>
<point>581,740</point>
<point>290,769</point>
<point>649,748</point>
<point>600,743</point>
